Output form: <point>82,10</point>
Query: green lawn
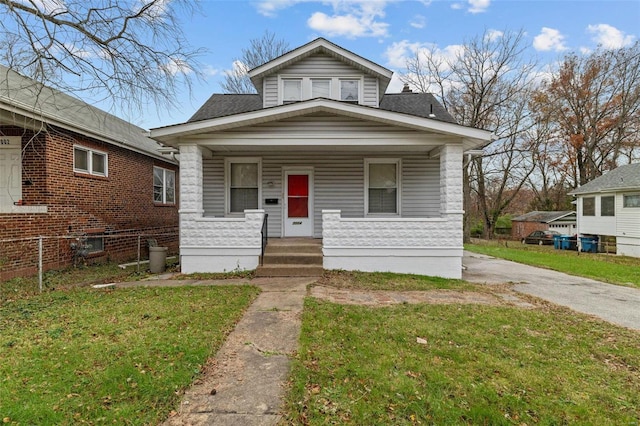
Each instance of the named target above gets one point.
<point>480,365</point>
<point>602,267</point>
<point>118,356</point>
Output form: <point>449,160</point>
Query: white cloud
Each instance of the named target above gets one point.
<point>549,39</point>
<point>472,6</point>
<point>395,85</point>
<point>349,18</point>
<point>418,21</point>
<point>354,18</point>
<point>271,7</point>
<point>46,6</point>
<point>177,66</point>
<point>210,71</point>
<point>399,52</point>
<point>609,37</point>
<point>492,35</point>
<point>478,6</point>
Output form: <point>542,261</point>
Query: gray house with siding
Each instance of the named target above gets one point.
<point>326,154</point>
<point>609,206</point>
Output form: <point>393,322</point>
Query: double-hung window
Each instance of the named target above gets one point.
<point>291,90</point>
<point>608,206</point>
<point>382,177</point>
<point>588,206</point>
<point>164,186</point>
<point>89,161</point>
<point>243,184</point>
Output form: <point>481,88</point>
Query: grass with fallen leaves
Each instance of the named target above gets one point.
<point>117,356</point>
<point>461,364</point>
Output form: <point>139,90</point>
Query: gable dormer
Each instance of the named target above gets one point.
<point>320,69</point>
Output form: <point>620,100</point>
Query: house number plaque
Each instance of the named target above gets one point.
<point>297,223</point>
<point>10,141</point>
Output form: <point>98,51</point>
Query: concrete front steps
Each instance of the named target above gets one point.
<point>291,257</point>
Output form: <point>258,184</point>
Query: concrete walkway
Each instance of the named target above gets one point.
<point>616,304</point>
<point>244,383</point>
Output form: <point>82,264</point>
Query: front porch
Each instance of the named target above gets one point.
<point>334,198</point>
<point>426,246</point>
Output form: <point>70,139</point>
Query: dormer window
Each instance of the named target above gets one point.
<point>320,88</point>
<point>292,90</point>
<point>349,90</point>
<point>296,88</point>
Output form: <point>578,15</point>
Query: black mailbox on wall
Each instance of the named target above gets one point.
<point>271,201</point>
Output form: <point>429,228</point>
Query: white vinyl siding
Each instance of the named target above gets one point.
<point>338,184</point>
<point>321,66</point>
<point>628,218</point>
<point>420,199</point>
<point>213,187</point>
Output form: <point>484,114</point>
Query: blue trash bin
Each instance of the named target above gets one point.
<point>565,242</point>
<point>556,241</point>
<point>589,244</point>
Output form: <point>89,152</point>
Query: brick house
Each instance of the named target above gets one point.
<point>562,221</point>
<point>68,169</point>
<point>322,153</point>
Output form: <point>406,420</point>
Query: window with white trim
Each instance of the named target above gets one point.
<point>588,206</point>
<point>86,160</point>
<point>321,88</point>
<point>608,206</point>
<point>632,200</point>
<point>382,177</point>
<point>350,90</point>
<point>164,186</point>
<point>243,184</point>
<point>291,90</point>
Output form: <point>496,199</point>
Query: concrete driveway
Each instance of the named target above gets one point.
<point>616,304</point>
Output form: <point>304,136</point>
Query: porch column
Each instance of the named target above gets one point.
<point>451,180</point>
<point>191,180</point>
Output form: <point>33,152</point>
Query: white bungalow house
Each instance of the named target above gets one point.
<point>326,154</point>
<point>609,206</point>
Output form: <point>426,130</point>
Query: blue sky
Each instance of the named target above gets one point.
<point>386,31</point>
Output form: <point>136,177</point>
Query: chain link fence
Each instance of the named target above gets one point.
<point>30,255</point>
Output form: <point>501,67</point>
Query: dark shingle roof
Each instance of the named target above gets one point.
<point>542,217</point>
<point>624,177</point>
<point>222,105</point>
<point>417,104</point>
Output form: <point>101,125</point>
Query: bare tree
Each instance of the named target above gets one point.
<point>127,52</point>
<point>260,51</point>
<point>594,103</point>
<point>486,83</point>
